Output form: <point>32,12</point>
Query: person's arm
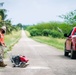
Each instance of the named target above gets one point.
<point>3,44</point>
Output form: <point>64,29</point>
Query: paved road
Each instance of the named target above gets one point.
<point>44,60</point>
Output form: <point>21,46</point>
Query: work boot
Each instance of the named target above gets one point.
<point>2,64</point>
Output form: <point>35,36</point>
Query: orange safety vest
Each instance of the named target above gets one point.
<point>1,38</point>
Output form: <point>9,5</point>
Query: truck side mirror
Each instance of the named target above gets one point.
<point>65,35</point>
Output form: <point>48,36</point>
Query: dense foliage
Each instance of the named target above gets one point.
<point>55,29</point>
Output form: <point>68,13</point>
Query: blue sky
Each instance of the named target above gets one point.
<point>36,11</point>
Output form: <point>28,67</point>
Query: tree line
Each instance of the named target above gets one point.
<point>55,28</point>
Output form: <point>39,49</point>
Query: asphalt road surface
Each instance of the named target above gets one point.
<point>43,59</point>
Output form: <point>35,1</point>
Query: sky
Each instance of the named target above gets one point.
<point>30,12</point>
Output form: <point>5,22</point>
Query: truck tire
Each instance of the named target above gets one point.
<point>66,53</point>
<point>73,54</point>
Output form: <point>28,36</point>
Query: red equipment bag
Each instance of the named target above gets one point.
<point>23,59</point>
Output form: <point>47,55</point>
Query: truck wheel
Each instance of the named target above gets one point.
<point>66,53</point>
<point>14,65</point>
<point>73,54</point>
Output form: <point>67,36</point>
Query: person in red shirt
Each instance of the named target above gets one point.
<point>2,45</point>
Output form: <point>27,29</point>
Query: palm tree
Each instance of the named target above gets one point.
<point>3,14</point>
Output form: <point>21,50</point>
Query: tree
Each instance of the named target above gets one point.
<point>3,13</point>
<point>70,17</point>
<point>7,22</point>
<point>19,26</point>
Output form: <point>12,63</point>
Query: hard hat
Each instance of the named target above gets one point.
<point>4,28</point>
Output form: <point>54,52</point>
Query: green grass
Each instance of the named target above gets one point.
<point>27,33</point>
<point>12,39</point>
<point>56,42</point>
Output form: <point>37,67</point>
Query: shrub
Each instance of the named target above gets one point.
<point>39,33</point>
<point>55,34</point>
<point>45,32</point>
<point>34,32</point>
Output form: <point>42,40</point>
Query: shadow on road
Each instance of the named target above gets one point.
<point>65,57</point>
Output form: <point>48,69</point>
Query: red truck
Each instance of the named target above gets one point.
<point>70,44</point>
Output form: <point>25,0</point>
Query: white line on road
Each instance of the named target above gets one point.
<point>37,67</point>
<point>30,67</point>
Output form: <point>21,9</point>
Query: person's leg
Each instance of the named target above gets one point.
<point>2,51</point>
<point>1,57</point>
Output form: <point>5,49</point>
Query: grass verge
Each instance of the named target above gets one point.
<point>11,40</point>
<point>56,42</point>
<point>27,33</point>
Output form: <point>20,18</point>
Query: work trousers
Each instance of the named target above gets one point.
<point>2,52</point>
